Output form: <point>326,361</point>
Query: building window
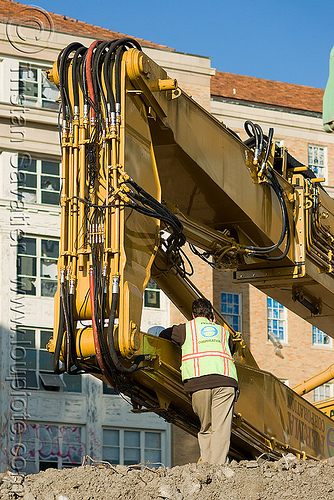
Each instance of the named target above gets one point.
<point>317,160</point>
<point>231,309</point>
<point>37,266</point>
<point>128,447</point>
<point>320,338</point>
<point>43,446</point>
<point>34,366</point>
<point>35,89</point>
<point>109,390</point>
<point>324,391</point>
<point>276,320</point>
<point>38,180</point>
<point>152,295</point>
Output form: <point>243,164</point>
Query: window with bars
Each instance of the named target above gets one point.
<point>38,180</point>
<point>127,447</point>
<point>324,391</point>
<point>43,446</point>
<point>317,160</point>
<point>34,367</point>
<point>276,320</point>
<point>37,266</point>
<point>320,338</point>
<point>231,308</point>
<point>152,295</point>
<point>35,89</point>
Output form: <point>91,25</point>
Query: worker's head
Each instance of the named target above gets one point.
<point>202,307</point>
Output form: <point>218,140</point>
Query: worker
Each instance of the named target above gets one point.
<point>209,374</point>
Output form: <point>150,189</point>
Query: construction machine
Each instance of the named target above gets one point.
<point>146,169</point>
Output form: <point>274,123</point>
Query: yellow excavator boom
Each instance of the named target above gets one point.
<point>145,169</point>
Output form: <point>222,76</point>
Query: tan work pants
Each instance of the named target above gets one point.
<point>214,407</point>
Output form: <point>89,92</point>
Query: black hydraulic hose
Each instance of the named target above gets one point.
<point>59,341</point>
<point>63,77</point>
<point>72,334</point>
<point>75,74</point>
<point>284,225</point>
<point>70,352</point>
<point>98,50</point>
<point>260,137</point>
<point>107,75</point>
<point>156,203</point>
<point>157,215</point>
<point>109,61</point>
<point>67,360</point>
<point>97,68</point>
<point>118,60</point>
<point>259,251</point>
<point>104,297</point>
<point>269,143</point>
<point>252,132</point>
<point>158,209</point>
<point>118,365</point>
<point>82,77</point>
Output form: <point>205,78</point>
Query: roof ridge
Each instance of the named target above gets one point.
<point>266,92</point>
<point>267,80</point>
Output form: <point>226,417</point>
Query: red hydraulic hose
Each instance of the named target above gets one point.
<point>90,79</point>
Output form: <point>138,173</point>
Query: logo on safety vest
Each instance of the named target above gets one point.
<point>209,331</point>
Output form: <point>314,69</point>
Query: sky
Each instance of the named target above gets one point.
<point>283,40</point>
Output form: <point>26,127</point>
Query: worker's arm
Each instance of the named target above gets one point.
<point>176,333</point>
<point>231,344</point>
<point>167,333</point>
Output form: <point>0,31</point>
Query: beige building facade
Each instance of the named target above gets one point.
<point>66,418</point>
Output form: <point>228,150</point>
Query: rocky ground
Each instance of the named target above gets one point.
<point>289,478</point>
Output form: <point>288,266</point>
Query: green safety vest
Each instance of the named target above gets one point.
<point>206,350</point>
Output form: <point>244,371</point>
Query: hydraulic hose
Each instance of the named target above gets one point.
<point>98,352</point>
<point>90,79</point>
<point>59,341</point>
<point>260,251</point>
<point>75,75</point>
<point>63,77</point>
<point>118,365</point>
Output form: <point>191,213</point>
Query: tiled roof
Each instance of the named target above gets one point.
<point>17,13</point>
<point>257,90</point>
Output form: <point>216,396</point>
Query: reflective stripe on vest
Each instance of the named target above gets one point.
<point>206,350</point>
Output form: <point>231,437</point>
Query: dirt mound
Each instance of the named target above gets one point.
<point>288,478</point>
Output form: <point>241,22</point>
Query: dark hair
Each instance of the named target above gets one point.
<point>202,307</point>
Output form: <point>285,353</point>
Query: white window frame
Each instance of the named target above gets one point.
<point>39,180</point>
<point>227,315</point>
<point>325,341</point>
<point>23,349</point>
<point>38,278</point>
<point>58,455</point>
<point>281,318</point>
<point>142,448</point>
<point>324,391</point>
<point>35,102</point>
<point>312,165</point>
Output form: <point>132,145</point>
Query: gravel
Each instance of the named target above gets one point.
<point>288,478</point>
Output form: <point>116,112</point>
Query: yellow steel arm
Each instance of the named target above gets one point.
<point>138,156</point>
